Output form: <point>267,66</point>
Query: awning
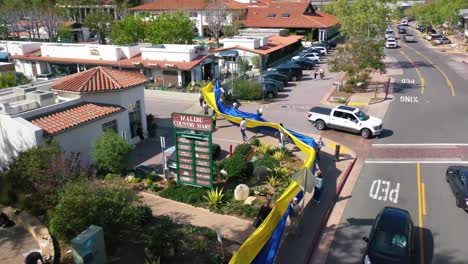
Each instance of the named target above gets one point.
<point>3,55</point>
<point>228,53</point>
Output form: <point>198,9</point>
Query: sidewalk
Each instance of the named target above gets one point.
<point>232,228</point>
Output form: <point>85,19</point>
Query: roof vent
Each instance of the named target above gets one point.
<point>285,15</point>
<point>271,15</point>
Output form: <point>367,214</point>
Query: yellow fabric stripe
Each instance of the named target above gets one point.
<point>257,240</point>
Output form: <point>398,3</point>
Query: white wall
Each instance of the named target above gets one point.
<point>16,135</point>
<point>246,42</point>
<point>125,98</point>
<point>19,48</point>
<point>81,138</point>
<point>173,52</point>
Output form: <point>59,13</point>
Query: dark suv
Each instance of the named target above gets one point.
<point>294,72</point>
<point>391,239</point>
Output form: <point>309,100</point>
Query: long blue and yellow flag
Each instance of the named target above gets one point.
<point>263,243</point>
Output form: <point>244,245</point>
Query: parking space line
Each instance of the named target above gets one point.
<point>417,70</point>
<point>437,67</point>
<point>421,240</point>
<point>423,186</point>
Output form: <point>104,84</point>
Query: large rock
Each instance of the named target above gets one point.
<point>261,173</point>
<point>250,200</point>
<point>241,192</point>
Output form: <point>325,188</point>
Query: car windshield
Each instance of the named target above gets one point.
<point>362,116</point>
<point>389,243</point>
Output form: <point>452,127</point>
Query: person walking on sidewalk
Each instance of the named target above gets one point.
<point>201,99</point>
<point>322,73</point>
<point>260,111</point>
<point>282,137</point>
<point>214,116</point>
<point>205,108</point>
<point>295,213</point>
<point>315,74</point>
<point>243,127</point>
<point>318,187</point>
<point>318,146</point>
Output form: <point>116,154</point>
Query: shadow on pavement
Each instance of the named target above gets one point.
<point>385,133</point>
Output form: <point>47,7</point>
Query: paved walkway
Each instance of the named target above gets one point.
<point>232,228</point>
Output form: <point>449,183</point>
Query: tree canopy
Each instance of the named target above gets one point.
<point>173,28</point>
<point>130,29</point>
<point>438,12</point>
<point>100,22</point>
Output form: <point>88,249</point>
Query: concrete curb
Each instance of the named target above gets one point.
<point>38,231</point>
<point>326,216</point>
<point>325,98</point>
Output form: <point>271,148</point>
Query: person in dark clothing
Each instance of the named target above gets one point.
<point>264,211</point>
<point>139,132</point>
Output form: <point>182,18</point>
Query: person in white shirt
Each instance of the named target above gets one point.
<point>243,127</point>
<point>318,145</point>
<point>221,93</point>
<point>260,111</point>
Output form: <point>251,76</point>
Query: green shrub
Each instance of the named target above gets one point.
<point>214,197</point>
<point>255,142</point>
<point>162,236</point>
<point>237,166</point>
<point>139,215</point>
<point>247,90</point>
<point>257,61</point>
<point>184,194</point>
<point>273,181</point>
<point>136,180</point>
<point>111,152</point>
<point>279,155</point>
<point>85,203</point>
<point>111,176</point>
<point>242,150</point>
<point>267,161</point>
<point>264,149</point>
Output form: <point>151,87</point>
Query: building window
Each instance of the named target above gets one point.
<point>134,115</point>
<point>193,14</point>
<point>110,125</point>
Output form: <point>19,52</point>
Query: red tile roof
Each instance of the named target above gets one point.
<point>99,79</point>
<point>258,16</point>
<point>126,63</point>
<point>274,43</point>
<point>175,5</point>
<point>74,116</point>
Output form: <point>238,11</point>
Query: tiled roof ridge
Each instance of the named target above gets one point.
<point>311,19</point>
<point>106,71</point>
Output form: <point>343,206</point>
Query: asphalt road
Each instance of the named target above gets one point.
<point>426,128</point>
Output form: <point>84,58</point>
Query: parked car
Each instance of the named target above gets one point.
<point>276,76</point>
<point>305,63</point>
<point>400,26</point>
<point>323,50</point>
<point>311,55</point>
<point>401,31</point>
<point>269,90</point>
<point>391,43</point>
<point>294,72</point>
<point>433,36</point>
<point>409,38</point>
<point>421,28</point>
<point>312,50</point>
<point>171,160</point>
<point>389,33</point>
<point>346,118</point>
<point>278,84</point>
<point>457,177</point>
<point>442,40</point>
<point>391,239</point>
<point>404,21</point>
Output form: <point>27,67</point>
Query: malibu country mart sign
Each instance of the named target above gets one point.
<point>193,144</point>
<point>195,122</point>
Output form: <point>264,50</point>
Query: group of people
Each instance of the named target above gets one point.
<point>319,72</point>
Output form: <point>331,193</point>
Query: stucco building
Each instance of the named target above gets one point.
<point>74,111</point>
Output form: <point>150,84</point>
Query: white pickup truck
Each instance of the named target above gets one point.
<point>346,118</point>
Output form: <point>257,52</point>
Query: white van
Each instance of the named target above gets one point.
<point>404,21</point>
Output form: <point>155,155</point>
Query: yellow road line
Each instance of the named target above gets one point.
<point>423,186</point>
<point>417,70</point>
<point>421,241</point>
<point>437,67</point>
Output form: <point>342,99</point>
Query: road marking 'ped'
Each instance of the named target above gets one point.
<point>417,70</point>
<point>380,190</point>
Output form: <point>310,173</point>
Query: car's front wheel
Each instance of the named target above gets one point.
<point>294,78</point>
<point>270,95</point>
<point>459,202</point>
